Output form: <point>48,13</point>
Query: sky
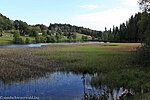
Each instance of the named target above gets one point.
<point>93,14</point>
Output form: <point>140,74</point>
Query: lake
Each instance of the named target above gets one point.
<point>58,86</point>
<point>40,44</point>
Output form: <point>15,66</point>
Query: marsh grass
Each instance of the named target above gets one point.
<point>113,67</point>
<point>20,63</point>
<point>89,59</point>
<point>145,96</point>
<point>112,62</point>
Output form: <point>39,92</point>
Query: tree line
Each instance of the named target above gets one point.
<point>143,53</point>
<point>52,33</point>
<point>131,31</point>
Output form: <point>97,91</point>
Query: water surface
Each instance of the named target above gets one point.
<point>40,44</point>
<point>58,86</point>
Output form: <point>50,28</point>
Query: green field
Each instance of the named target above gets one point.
<point>8,38</point>
<point>31,38</point>
<point>79,36</point>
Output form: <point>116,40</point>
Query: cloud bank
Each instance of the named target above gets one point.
<point>106,18</point>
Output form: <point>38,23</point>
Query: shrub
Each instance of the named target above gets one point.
<point>27,41</point>
<point>17,39</point>
<point>143,55</point>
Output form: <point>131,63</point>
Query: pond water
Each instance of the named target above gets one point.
<point>40,44</point>
<point>57,86</point>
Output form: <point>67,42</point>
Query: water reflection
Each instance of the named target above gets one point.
<point>103,92</point>
<point>60,86</point>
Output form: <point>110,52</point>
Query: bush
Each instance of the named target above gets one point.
<point>43,39</point>
<point>27,41</point>
<point>84,38</point>
<point>53,39</point>
<point>21,41</point>
<point>93,38</point>
<point>37,39</point>
<point>17,39</point>
<point>143,55</point>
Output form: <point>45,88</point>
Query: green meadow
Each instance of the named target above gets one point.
<point>8,39</point>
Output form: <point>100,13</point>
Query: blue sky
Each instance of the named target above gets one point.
<point>94,14</point>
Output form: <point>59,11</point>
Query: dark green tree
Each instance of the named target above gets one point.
<point>105,36</point>
<point>16,38</point>
<point>1,32</point>
<point>44,33</point>
<point>34,31</point>
<point>27,41</point>
<point>143,53</point>
<point>84,38</point>
<point>37,39</point>
<point>74,36</point>
<point>117,37</point>
<point>43,39</point>
<point>58,36</point>
<point>21,26</point>
<point>53,39</point>
<point>111,37</point>
<point>48,39</point>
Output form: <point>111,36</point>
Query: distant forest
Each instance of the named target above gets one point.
<point>130,31</point>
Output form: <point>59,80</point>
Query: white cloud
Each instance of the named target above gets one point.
<point>107,18</point>
<point>131,3</point>
<point>91,7</point>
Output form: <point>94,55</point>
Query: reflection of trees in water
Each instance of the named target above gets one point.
<point>83,79</point>
<point>91,93</point>
<point>102,92</point>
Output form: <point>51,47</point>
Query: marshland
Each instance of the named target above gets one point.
<point>87,68</point>
<point>75,49</point>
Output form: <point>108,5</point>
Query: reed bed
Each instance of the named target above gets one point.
<point>21,63</point>
<point>111,62</point>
